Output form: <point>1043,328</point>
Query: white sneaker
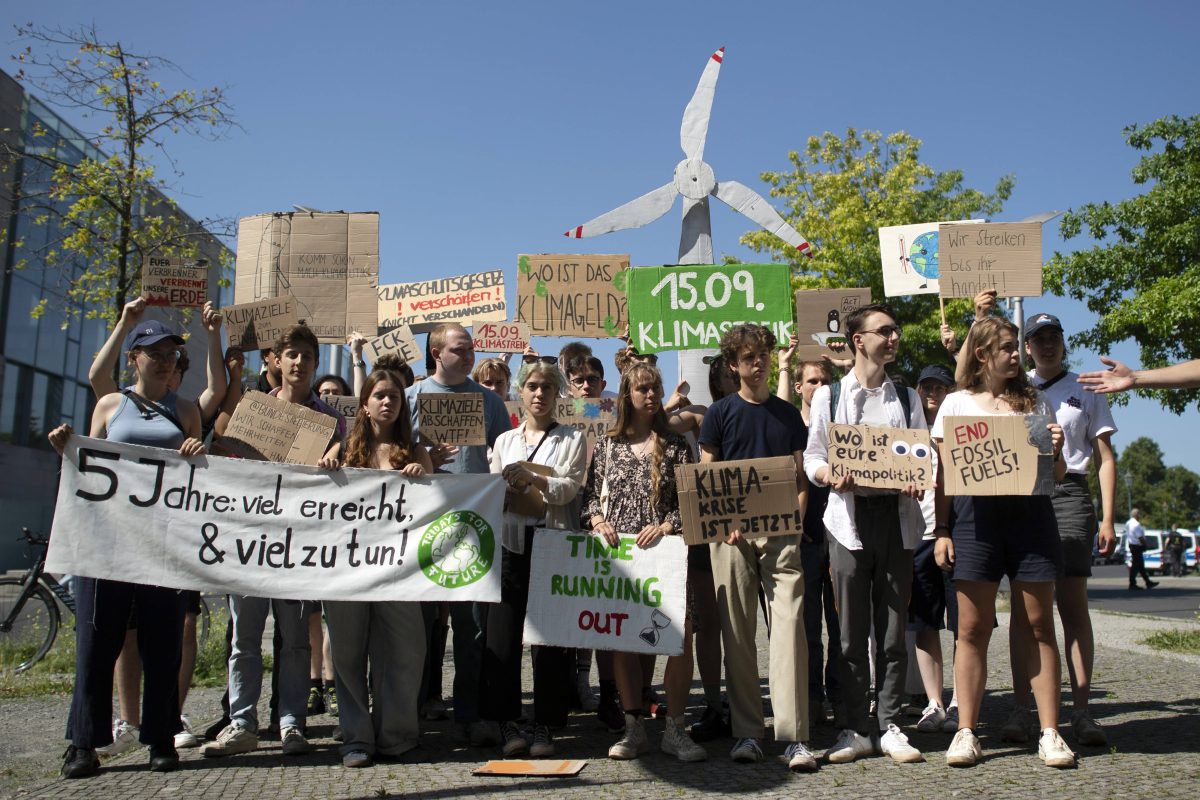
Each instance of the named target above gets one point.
<point>964,749</point>
<point>951,723</point>
<point>1054,751</point>
<point>185,738</point>
<point>799,758</point>
<point>850,745</point>
<point>932,718</point>
<point>678,743</point>
<point>125,738</point>
<point>294,743</point>
<point>1016,727</point>
<point>746,751</point>
<point>232,740</point>
<point>633,743</point>
<point>895,744</point>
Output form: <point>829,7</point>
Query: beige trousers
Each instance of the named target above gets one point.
<point>738,571</point>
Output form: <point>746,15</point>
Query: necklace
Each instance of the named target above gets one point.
<point>643,449</point>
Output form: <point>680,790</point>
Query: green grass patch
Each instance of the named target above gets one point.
<point>1175,641</point>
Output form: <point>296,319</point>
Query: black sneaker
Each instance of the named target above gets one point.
<point>1151,584</point>
<point>611,716</point>
<point>316,701</point>
<point>712,725</point>
<point>163,758</point>
<point>79,762</point>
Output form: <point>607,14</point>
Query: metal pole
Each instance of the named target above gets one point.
<point>1129,492</point>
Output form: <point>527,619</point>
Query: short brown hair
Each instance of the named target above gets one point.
<point>739,336</point>
<point>297,336</point>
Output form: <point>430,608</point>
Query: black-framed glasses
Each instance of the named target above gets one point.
<point>646,358</point>
<point>586,380</point>
<point>887,331</point>
<point>549,361</point>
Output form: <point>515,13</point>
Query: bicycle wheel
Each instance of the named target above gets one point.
<point>28,624</point>
<point>203,621</point>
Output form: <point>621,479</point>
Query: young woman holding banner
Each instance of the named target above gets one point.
<point>389,635</point>
<point>982,539</point>
<point>631,489</point>
<point>539,440</point>
<point>146,414</point>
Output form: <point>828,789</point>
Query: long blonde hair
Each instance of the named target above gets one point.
<point>659,427</point>
<point>970,374</point>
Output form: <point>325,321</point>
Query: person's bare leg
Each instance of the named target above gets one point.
<point>187,662</point>
<point>129,680</point>
<point>318,650</point>
<point>627,669</point>
<point>678,676</point>
<point>1045,669</point>
<point>976,613</point>
<point>326,654</point>
<point>1019,638</point>
<point>1078,640</point>
<point>929,663</point>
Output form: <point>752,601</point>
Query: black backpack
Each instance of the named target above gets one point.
<point>835,392</point>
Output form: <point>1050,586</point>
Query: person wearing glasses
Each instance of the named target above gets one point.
<point>149,414</point>
<point>874,532</point>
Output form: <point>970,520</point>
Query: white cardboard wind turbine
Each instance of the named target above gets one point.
<point>695,180</point>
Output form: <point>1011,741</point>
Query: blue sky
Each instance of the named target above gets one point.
<point>483,130</point>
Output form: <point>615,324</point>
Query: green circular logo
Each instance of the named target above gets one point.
<point>457,549</point>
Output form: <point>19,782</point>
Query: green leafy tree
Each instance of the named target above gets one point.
<point>1166,495</point>
<point>1142,277</point>
<point>840,191</point>
<point>108,209</point>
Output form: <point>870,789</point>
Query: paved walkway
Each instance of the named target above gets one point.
<point>1149,702</point>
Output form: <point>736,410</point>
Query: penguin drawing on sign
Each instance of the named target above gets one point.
<point>835,321</point>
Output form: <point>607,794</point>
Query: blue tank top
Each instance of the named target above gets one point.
<point>132,426</point>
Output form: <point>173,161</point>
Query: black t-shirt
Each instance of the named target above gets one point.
<point>740,429</point>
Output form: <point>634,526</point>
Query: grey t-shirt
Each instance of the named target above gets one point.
<point>474,458</point>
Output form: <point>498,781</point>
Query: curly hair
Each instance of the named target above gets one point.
<point>660,428</point>
<point>971,371</point>
<point>739,336</point>
<point>362,441</point>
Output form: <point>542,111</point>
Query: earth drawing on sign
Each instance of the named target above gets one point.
<point>923,255</point>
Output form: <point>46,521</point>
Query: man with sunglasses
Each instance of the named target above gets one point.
<point>873,535</point>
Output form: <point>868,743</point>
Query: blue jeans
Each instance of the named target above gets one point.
<point>249,618</point>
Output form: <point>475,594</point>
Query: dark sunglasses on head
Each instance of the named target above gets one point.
<point>646,358</point>
<point>548,360</point>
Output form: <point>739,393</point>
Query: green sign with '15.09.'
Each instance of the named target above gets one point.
<point>691,307</point>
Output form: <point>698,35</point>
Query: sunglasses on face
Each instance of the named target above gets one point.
<point>547,360</point>
<point>887,331</point>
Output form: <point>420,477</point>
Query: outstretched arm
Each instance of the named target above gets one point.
<point>100,375</point>
<point>1120,378</point>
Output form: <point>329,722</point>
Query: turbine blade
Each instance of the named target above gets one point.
<point>694,130</point>
<point>745,200</point>
<point>1043,217</point>
<point>633,214</point>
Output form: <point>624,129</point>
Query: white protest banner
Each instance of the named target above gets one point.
<point>756,496</point>
<point>423,305</point>
<point>175,282</point>
<point>398,340</point>
<point>257,326</point>
<point>500,337</point>
<point>1008,455</point>
<point>229,526</point>
<point>328,261</point>
<point>1005,256</point>
<point>454,418</point>
<point>569,294</point>
<point>583,593</point>
<point>881,458</point>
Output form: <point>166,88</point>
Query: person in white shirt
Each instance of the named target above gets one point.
<point>874,532</point>
<point>1135,538</point>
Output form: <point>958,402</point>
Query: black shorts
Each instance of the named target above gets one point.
<point>927,604</point>
<point>1005,535</point>
<point>1077,526</point>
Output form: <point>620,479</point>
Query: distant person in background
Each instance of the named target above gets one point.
<point>1135,540</point>
<point>494,374</point>
<point>1173,549</point>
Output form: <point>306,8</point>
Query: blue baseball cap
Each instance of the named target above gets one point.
<point>1039,321</point>
<point>937,372</point>
<point>148,332</point>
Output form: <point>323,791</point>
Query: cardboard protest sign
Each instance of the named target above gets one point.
<point>531,502</point>
<point>256,326</point>
<point>1005,256</point>
<point>583,593</point>
<point>910,258</point>
<point>345,405</point>
<point>265,428</point>
<point>691,307</point>
<point>821,319</point>
<point>756,496</point>
<point>229,526</point>
<point>566,294</point>
<point>398,340</point>
<point>590,416</point>
<point>1002,455</point>
<point>542,768</point>
<point>328,261</point>
<point>883,458</point>
<point>423,305</point>
<point>454,418</point>
<point>175,282</point>
<point>500,337</point>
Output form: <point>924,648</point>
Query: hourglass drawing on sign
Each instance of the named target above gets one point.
<point>658,621</point>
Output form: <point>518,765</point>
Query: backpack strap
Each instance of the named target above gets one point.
<point>835,392</point>
<point>148,407</point>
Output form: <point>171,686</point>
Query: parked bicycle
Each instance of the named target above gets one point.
<point>30,614</point>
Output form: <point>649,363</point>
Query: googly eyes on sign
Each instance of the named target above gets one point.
<point>905,449</point>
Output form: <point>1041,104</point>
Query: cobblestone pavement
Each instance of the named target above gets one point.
<point>1149,703</point>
